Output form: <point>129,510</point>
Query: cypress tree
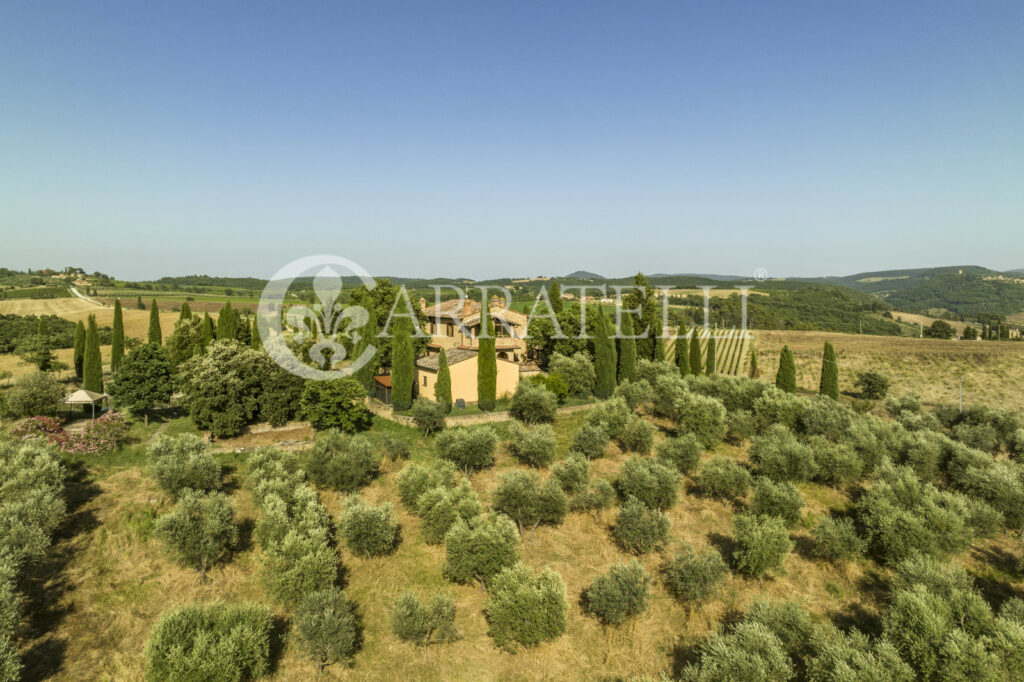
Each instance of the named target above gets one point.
<point>43,328</point>
<point>627,351</point>
<point>443,387</point>
<point>208,333</point>
<point>368,337</point>
<point>186,311</point>
<point>682,354</point>
<point>604,355</point>
<point>829,373</point>
<point>403,364</point>
<point>92,371</point>
<point>254,335</point>
<point>117,340</point>
<point>227,323</point>
<point>139,304</point>
<point>659,343</point>
<point>755,372</point>
<point>487,362</point>
<point>79,355</point>
<point>155,335</point>
<point>712,366</point>
<point>695,365</point>
<point>786,377</point>
<point>555,294</point>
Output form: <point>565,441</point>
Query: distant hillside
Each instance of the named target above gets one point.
<point>583,274</point>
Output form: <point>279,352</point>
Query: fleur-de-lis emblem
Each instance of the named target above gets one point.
<point>327,321</point>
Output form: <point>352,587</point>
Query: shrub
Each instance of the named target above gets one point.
<point>298,565</point>
<point>666,390</point>
<point>787,620</point>
<point>923,451</point>
<point>440,507</point>
<point>200,530</point>
<point>611,415</point>
<point>854,656</point>
<point>590,441</point>
<point>273,471</point>
<point>762,544</point>
<point>303,513</point>
<point>572,473</point>
<point>740,426</point>
<point>185,461</point>
<point>780,456</point>
<point>10,661</point>
<point>635,393</point>
<point>835,463</point>
<point>328,627</point>
<point>525,608</point>
<point>395,447</point>
<point>750,653</point>
<point>704,417</point>
<point>342,462</point>
<point>411,621</point>
<point>34,394</point>
<point>533,404</point>
<point>599,495</point>
<point>649,481</point>
<point>872,385</point>
<point>415,479</point>
<point>577,372</point>
<point>777,499</point>
<point>31,501</point>
<point>522,498</point>
<point>836,540</point>
<point>210,642</point>
<point>429,416</point>
<point>470,448</point>
<point>637,436</point>
<point>618,594</point>
<point>693,577</point>
<point>336,404</point>
<point>369,531</point>
<point>722,477</point>
<point>638,529</point>
<point>681,452</point>
<point>532,446</point>
<point>778,407</point>
<point>479,548</point>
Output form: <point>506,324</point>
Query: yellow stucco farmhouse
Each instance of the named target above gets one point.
<point>462,365</point>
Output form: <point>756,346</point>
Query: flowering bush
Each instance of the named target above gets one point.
<point>102,435</point>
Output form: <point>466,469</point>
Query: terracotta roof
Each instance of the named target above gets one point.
<point>454,355</point>
<point>383,380</point>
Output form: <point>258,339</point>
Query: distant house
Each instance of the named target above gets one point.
<point>462,366</point>
<point>444,320</point>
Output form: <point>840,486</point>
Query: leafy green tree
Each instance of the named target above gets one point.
<point>186,311</point>
<point>829,373</point>
<point>415,479</point>
<point>412,621</point>
<point>695,354</point>
<point>402,364</point>
<point>525,608</point>
<point>487,362</point>
<point>692,577</point>
<point>590,440</point>
<point>680,452</point>
<point>480,548</point>
<point>836,540</point>
<point>468,448</point>
<point>619,594</point>
<point>762,543</point>
<point>683,353</point>
<point>724,478</point>
<point>627,351</point>
<point>555,296</point>
<point>139,305</point>
<point>639,529</point>
<point>649,481</point>
<point>712,362</point>
<point>604,354</point>
<point>117,339</point>
<point>36,350</point>
<point>227,323</point>
<point>777,499</point>
<point>185,341</point>
<point>254,334</point>
<point>533,404</point>
<point>342,462</point>
<point>641,298</point>
<point>785,379</point>
<point>79,353</point>
<point>183,462</point>
<point>439,508</point>
<point>33,395</point>
<point>155,335</point>
<point>369,531</point>
<point>658,342</point>
<point>144,380</point>
<point>208,333</point>
<point>704,417</point>
<point>298,565</point>
<point>336,404</point>
<point>428,416</point>
<point>755,371</point>
<point>872,385</point>
<point>940,329</point>
<point>328,627</point>
<point>443,385</point>
<point>200,530</point>
<point>750,652</point>
<point>521,496</point>
<point>210,642</point>
<point>533,446</point>
<point>92,379</point>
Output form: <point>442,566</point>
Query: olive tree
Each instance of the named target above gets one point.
<point>524,607</point>
<point>328,627</point>
<point>619,594</point>
<point>200,530</point>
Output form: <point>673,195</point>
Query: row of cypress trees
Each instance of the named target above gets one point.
<point>828,385</point>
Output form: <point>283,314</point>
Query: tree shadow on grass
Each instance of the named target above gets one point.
<point>46,587</point>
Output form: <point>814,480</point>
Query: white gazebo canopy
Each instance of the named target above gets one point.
<point>83,397</point>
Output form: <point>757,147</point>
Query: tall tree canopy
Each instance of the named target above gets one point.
<point>155,335</point>
<point>92,371</point>
<point>487,362</point>
<point>117,339</point>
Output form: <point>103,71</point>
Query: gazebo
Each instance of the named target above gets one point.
<point>83,398</point>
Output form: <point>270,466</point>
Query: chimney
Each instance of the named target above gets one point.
<point>423,304</point>
<point>467,307</point>
<point>497,301</point>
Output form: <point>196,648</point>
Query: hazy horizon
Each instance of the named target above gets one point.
<point>807,139</point>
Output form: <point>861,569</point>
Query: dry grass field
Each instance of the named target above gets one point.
<point>992,371</point>
<point>913,318</point>
<point>109,579</point>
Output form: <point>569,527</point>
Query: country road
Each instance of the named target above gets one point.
<point>82,296</point>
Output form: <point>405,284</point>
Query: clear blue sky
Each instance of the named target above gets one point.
<point>512,138</point>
